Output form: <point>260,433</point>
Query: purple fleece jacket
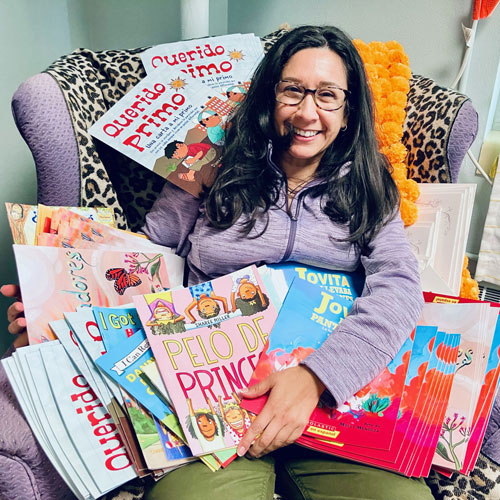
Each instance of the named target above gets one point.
<point>379,321</point>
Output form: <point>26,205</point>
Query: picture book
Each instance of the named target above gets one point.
<point>171,124</point>
<point>83,440</point>
<point>308,315</point>
<point>151,437</point>
<point>224,63</point>
<point>116,323</point>
<point>56,280</point>
<point>470,320</point>
<point>369,417</point>
<point>206,340</point>
<point>422,348</point>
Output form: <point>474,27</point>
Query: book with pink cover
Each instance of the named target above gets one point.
<point>206,340</point>
<point>55,280</point>
<point>489,387</point>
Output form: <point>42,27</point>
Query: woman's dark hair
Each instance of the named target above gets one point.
<point>365,197</point>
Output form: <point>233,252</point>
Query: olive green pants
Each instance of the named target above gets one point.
<point>295,473</point>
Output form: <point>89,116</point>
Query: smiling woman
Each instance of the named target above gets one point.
<point>301,179</point>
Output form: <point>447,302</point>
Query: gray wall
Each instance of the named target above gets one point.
<point>34,33</point>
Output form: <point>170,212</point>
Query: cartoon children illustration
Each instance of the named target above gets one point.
<point>193,156</point>
<point>206,426</point>
<point>236,419</point>
<point>165,320</point>
<point>214,125</point>
<point>247,296</point>
<point>206,302</point>
<point>235,94</point>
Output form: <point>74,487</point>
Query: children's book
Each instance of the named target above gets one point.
<point>171,124</point>
<point>346,284</point>
<point>116,323</point>
<point>468,319</point>
<point>224,63</point>
<point>57,280</point>
<point>206,340</point>
<point>151,439</point>
<point>423,345</point>
<point>369,417</point>
<point>308,315</point>
<point>88,449</point>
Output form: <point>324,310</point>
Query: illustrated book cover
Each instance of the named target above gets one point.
<point>206,340</point>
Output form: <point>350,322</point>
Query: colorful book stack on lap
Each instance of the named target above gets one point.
<point>165,364</point>
<point>428,408</point>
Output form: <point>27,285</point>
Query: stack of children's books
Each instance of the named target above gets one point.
<point>130,373</point>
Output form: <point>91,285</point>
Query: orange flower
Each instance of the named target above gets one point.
<point>469,288</point>
<point>400,83</point>
<point>409,211</point>
<point>388,72</point>
<point>399,69</point>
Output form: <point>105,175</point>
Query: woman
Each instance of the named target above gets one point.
<point>301,179</point>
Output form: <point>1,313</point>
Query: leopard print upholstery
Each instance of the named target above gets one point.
<point>430,113</point>
<point>482,484</point>
<point>91,83</point>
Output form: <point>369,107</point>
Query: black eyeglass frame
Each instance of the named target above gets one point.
<point>347,93</point>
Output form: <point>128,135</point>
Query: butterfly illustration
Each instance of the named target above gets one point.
<point>123,279</point>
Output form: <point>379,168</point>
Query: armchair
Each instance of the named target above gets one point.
<point>53,111</point>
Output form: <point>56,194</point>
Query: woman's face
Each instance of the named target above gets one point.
<point>313,129</point>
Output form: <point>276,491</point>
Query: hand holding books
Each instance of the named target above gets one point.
<point>293,395</point>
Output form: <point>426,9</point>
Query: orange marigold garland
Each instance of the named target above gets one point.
<point>468,286</point>
<point>388,71</point>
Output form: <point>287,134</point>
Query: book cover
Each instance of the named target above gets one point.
<point>224,63</point>
<point>116,323</point>
<point>346,284</point>
<point>206,340</point>
<point>123,364</point>
<point>470,320</point>
<point>57,280</point>
<point>170,124</point>
<point>369,417</point>
<point>423,346</point>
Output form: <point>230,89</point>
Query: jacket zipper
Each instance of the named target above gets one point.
<point>293,227</point>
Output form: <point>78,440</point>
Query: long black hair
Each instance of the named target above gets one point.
<point>365,197</point>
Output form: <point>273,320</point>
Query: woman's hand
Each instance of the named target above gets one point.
<point>293,395</point>
<point>15,315</point>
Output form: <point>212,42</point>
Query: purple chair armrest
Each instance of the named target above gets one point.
<point>25,470</point>
<point>42,117</point>
<point>462,135</point>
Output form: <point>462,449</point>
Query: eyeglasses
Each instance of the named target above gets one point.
<point>326,98</point>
